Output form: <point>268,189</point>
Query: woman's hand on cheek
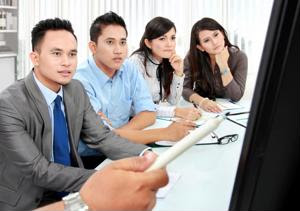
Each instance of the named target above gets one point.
<point>177,64</point>
<point>222,58</point>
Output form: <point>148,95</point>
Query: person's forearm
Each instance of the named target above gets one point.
<point>175,90</point>
<point>141,120</point>
<point>234,91</point>
<point>226,76</point>
<point>55,206</point>
<point>186,93</point>
<point>195,98</point>
<point>143,136</point>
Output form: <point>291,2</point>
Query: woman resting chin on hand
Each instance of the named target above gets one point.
<point>213,67</point>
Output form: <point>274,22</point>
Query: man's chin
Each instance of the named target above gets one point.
<point>65,81</point>
<point>117,67</point>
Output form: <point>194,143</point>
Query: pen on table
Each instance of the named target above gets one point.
<point>195,105</point>
<point>232,114</point>
<point>235,122</point>
<point>172,120</point>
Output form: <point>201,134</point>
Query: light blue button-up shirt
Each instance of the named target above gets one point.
<point>50,96</point>
<point>119,97</point>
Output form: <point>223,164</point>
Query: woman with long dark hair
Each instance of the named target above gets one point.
<point>162,67</point>
<point>213,67</point>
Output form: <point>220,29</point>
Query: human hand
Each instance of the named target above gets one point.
<point>179,129</point>
<point>222,58</point>
<point>188,113</point>
<point>177,64</point>
<point>123,185</point>
<point>210,106</point>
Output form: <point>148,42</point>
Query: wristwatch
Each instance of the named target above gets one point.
<point>73,202</point>
<point>224,71</point>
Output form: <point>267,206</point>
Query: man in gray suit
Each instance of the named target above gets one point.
<point>30,168</point>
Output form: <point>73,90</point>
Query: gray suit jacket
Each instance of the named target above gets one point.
<point>26,143</point>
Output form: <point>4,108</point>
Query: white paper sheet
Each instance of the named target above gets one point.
<point>225,104</point>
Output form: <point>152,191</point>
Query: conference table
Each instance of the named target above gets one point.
<point>206,172</point>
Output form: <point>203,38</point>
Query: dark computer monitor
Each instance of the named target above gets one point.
<point>267,177</point>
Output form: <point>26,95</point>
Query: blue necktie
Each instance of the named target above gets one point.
<point>60,139</point>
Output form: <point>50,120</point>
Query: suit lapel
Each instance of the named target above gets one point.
<point>70,111</point>
<point>42,108</point>
<point>71,115</point>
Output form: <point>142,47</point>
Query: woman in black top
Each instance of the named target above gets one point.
<point>213,67</point>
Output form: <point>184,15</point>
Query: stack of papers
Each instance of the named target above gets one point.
<point>225,104</point>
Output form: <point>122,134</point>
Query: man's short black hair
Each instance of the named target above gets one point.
<point>39,30</point>
<point>109,18</point>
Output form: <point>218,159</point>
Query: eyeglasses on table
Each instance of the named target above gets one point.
<point>221,140</point>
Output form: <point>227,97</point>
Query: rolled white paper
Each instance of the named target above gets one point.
<point>185,143</point>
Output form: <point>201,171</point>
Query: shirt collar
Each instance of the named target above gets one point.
<point>100,75</point>
<point>153,60</point>
<point>48,94</point>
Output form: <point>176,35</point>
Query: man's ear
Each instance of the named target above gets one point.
<point>200,48</point>
<point>92,47</point>
<point>147,43</point>
<point>35,58</point>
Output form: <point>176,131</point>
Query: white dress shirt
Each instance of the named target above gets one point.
<point>175,90</point>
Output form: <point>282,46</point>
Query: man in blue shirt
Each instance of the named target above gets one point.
<point>116,88</point>
<point>117,93</point>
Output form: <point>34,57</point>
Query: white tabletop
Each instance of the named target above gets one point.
<point>207,171</point>
<point>207,174</point>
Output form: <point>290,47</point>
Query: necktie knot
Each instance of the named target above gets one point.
<point>57,101</point>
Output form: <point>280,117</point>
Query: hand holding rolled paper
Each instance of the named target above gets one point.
<point>188,141</point>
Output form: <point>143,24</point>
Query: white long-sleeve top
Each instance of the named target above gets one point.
<point>154,86</point>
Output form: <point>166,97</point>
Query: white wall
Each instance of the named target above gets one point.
<point>7,65</point>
